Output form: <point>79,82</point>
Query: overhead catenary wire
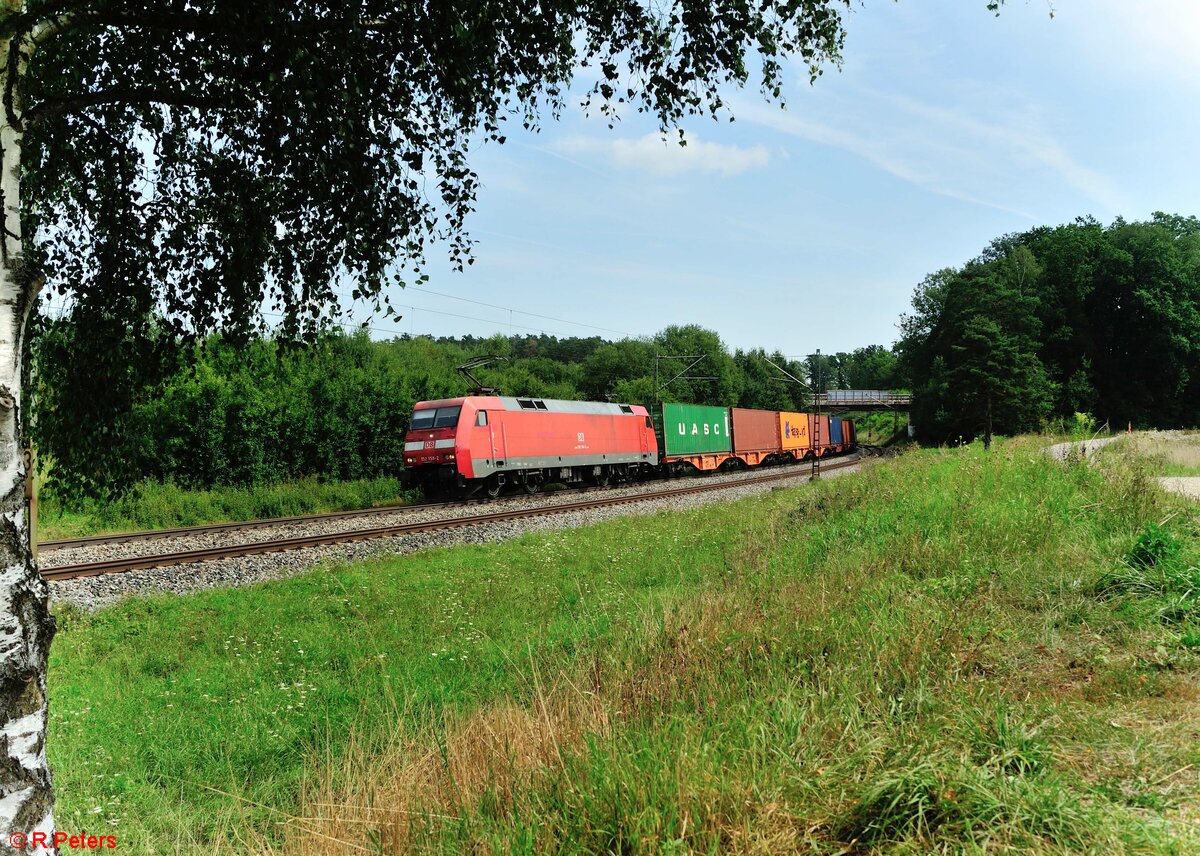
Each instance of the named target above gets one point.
<point>512,310</point>
<point>58,307</point>
<point>377,329</point>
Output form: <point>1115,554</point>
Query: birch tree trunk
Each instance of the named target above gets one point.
<point>26,627</point>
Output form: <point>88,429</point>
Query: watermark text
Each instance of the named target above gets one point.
<point>41,840</point>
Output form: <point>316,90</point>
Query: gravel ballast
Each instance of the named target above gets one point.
<point>90,593</point>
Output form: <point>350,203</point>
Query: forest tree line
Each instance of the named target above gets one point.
<point>1078,318</point>
<point>223,413</point>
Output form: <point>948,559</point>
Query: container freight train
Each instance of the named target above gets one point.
<point>462,446</point>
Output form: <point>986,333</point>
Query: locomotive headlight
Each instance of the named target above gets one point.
<point>450,457</point>
<point>410,460</point>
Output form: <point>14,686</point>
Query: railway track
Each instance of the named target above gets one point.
<point>209,554</point>
<point>265,523</point>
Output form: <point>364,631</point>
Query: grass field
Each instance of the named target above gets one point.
<point>154,505</point>
<point>955,651</point>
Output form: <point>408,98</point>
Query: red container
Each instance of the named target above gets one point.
<point>755,431</point>
<point>820,434</point>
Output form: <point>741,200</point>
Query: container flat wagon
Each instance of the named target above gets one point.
<point>794,434</point>
<point>692,434</point>
<point>756,437</point>
<point>821,429</point>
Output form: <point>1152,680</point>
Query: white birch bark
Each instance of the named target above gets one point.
<point>26,794</point>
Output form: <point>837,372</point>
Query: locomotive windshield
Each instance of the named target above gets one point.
<point>435,417</point>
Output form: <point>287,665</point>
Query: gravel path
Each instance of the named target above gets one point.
<point>1187,485</point>
<point>94,592</point>
<point>1087,447</point>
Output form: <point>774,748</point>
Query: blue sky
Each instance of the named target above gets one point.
<point>809,227</point>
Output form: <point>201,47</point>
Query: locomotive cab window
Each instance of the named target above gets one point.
<point>423,419</point>
<point>447,417</point>
<point>481,418</point>
<point>435,417</point>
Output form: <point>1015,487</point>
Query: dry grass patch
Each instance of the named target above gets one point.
<point>1174,453</point>
<point>387,799</point>
<point>394,798</point>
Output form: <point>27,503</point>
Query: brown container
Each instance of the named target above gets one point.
<point>755,430</point>
<point>819,425</point>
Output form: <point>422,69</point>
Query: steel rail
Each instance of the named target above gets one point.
<point>263,523</point>
<point>208,554</point>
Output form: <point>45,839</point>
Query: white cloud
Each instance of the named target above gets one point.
<point>1017,136</point>
<point>876,150</point>
<point>944,150</point>
<point>664,156</point>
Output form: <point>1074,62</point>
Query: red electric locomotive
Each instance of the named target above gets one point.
<point>458,446</point>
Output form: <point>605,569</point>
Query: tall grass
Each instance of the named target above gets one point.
<point>927,657</point>
<point>159,505</point>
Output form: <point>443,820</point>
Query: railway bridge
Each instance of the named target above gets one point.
<point>862,400</point>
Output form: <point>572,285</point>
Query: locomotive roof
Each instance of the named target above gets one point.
<point>543,405</point>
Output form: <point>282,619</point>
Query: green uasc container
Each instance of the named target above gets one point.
<point>690,429</point>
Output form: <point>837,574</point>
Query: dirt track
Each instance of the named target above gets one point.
<point>1187,485</point>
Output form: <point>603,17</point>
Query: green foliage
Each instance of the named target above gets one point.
<point>165,505</point>
<point>1054,321</point>
<point>244,415</point>
<point>191,168</point>
<point>1155,579</point>
<point>1153,547</point>
<point>973,350</point>
<point>684,344</point>
<point>1083,426</point>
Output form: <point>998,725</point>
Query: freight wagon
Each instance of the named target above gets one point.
<point>692,436</point>
<point>460,446</point>
<point>756,436</point>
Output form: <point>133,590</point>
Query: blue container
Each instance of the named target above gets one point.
<point>835,431</point>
